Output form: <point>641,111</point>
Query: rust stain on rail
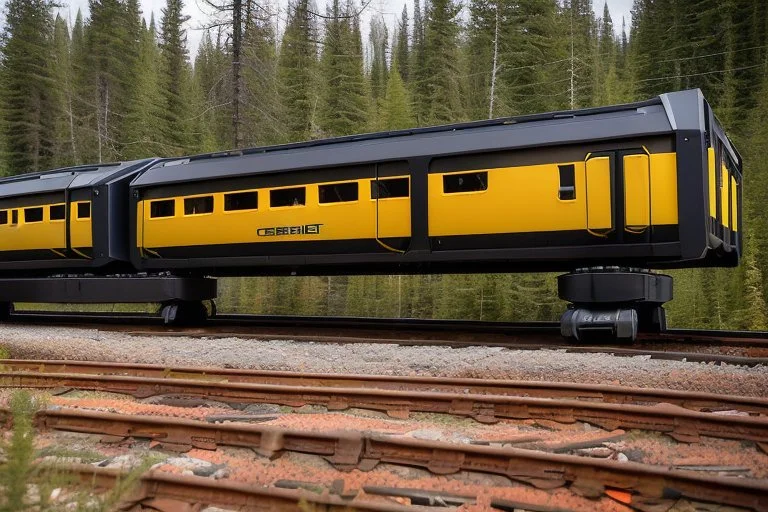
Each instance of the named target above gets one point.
<point>681,424</point>
<point>595,392</point>
<point>641,484</point>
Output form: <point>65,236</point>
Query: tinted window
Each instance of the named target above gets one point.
<point>4,217</point>
<point>57,212</point>
<point>288,197</point>
<point>395,187</point>
<point>33,214</point>
<point>241,201</point>
<point>165,208</point>
<point>567,190</point>
<point>468,182</point>
<point>14,216</point>
<point>338,192</point>
<point>197,205</point>
<point>83,210</point>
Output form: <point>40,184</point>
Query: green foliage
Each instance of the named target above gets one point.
<point>396,112</point>
<point>27,86</point>
<point>174,79</point>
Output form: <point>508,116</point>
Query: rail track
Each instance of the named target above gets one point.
<point>719,347</point>
<point>346,451</point>
<point>596,405</point>
<point>685,416</point>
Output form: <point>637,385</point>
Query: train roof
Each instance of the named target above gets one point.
<point>661,115</point>
<point>75,177</point>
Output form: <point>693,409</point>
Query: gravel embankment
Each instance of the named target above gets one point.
<point>90,344</point>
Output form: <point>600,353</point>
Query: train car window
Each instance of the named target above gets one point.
<point>3,217</point>
<point>241,201</point>
<point>198,205</point>
<point>288,197</point>
<point>466,182</point>
<point>57,212</point>
<point>165,208</point>
<point>338,192</point>
<point>33,214</point>
<point>386,188</point>
<point>14,216</point>
<point>567,191</point>
<point>83,210</point>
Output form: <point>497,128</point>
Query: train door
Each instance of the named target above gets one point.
<point>392,196</point>
<point>619,196</point>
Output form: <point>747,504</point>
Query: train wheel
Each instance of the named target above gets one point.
<point>183,313</point>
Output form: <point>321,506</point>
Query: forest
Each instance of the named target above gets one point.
<point>117,86</point>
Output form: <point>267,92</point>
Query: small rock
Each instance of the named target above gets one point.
<point>221,473</point>
<point>622,458</point>
<point>187,472</point>
<point>426,434</point>
<point>600,452</point>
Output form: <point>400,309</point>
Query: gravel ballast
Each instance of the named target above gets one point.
<point>56,342</point>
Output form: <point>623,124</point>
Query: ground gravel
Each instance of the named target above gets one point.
<point>58,342</point>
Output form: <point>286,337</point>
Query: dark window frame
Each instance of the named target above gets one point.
<point>567,189</point>
<point>4,217</point>
<point>331,193</point>
<point>15,217</point>
<point>231,201</point>
<point>155,212</point>
<point>82,214</point>
<point>193,203</point>
<point>287,200</point>
<point>465,182</point>
<point>383,184</point>
<point>36,212</point>
<point>58,208</point>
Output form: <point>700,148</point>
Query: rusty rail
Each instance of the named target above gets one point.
<point>184,490</point>
<point>363,451</point>
<point>681,424</point>
<point>595,392</point>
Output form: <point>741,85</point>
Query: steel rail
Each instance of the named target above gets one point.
<point>596,392</point>
<point>348,450</point>
<point>157,485</point>
<point>679,423</point>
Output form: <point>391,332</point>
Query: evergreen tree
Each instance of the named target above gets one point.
<point>29,100</point>
<point>440,77</point>
<point>174,79</point>
<point>580,26</point>
<point>379,39</point>
<point>214,123</point>
<point>65,151</point>
<point>297,72</point>
<point>401,50</point>
<point>145,116</point>
<point>396,113</point>
<point>345,101</point>
<point>262,109</point>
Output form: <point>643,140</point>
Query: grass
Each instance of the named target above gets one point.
<point>28,485</point>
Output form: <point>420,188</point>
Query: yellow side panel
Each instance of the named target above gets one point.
<point>724,195</point>
<point>518,199</point>
<point>734,204</point>
<point>664,189</point>
<point>599,215</point>
<point>79,229</point>
<point>394,216</point>
<point>637,192</point>
<point>330,221</point>
<point>46,234</point>
<point>712,184</point>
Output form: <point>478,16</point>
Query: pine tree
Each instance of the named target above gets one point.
<point>145,116</point>
<point>174,78</point>
<point>297,71</point>
<point>379,40</point>
<point>109,60</point>
<point>418,74</point>
<point>441,77</point>
<point>214,121</point>
<point>262,108</point>
<point>579,24</point>
<point>401,49</point>
<point>65,152</point>
<point>345,100</point>
<point>27,86</point>
<point>396,112</point>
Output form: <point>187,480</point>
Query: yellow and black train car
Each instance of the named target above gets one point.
<point>66,220</point>
<point>654,184</point>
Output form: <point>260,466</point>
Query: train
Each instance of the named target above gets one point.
<point>624,189</point>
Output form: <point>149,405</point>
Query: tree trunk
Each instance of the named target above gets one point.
<point>237,49</point>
